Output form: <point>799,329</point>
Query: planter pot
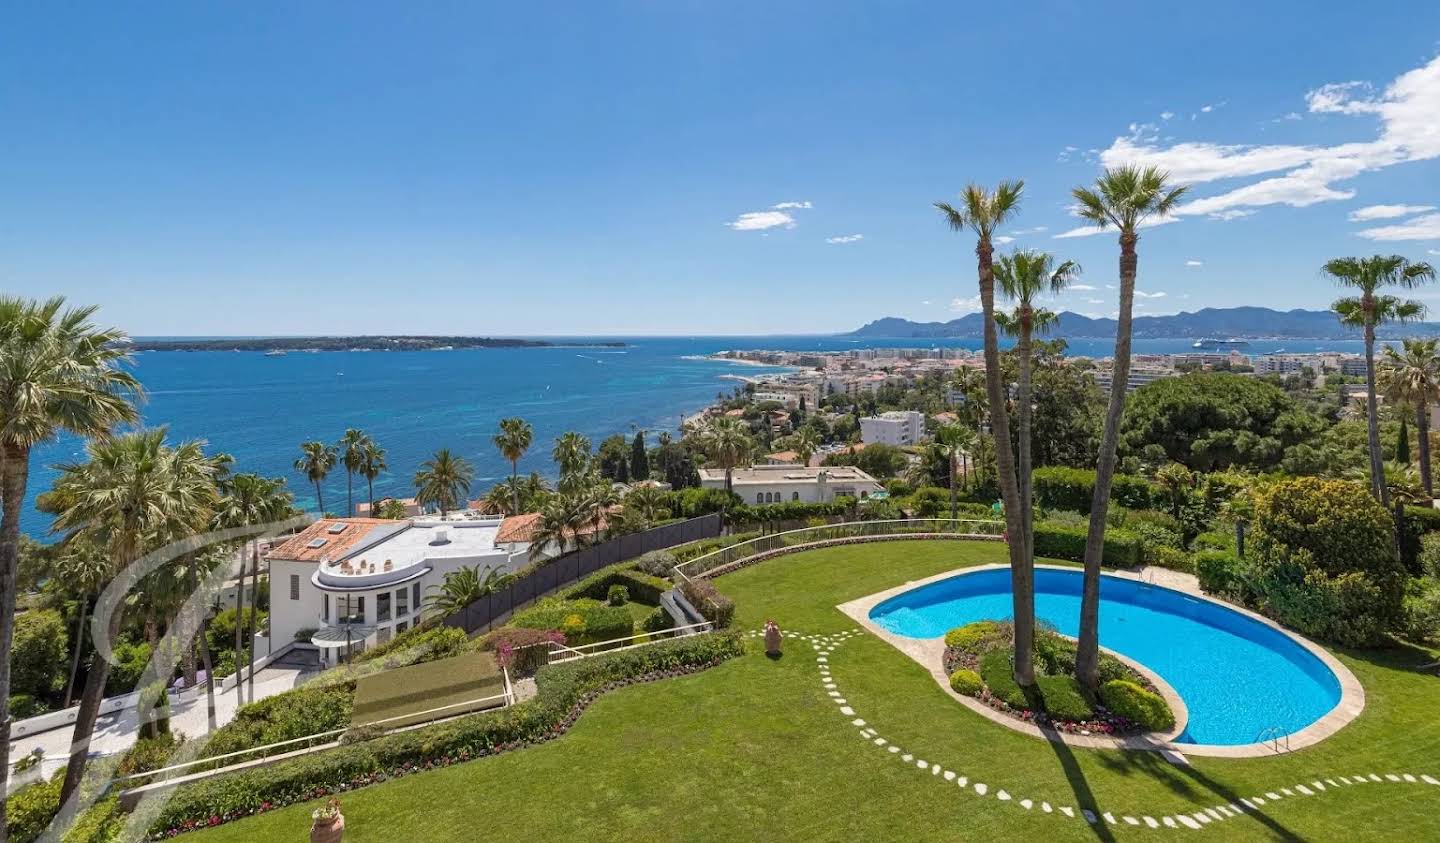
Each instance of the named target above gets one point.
<point>772,639</point>
<point>328,832</point>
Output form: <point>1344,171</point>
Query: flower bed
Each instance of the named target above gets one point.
<point>984,649</point>
<point>563,693</point>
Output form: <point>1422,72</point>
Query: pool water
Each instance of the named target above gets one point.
<point>1237,676</point>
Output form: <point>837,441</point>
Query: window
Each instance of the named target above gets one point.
<point>794,496</point>
<point>759,497</point>
<point>382,607</point>
<point>294,586</point>
<point>383,635</point>
<point>402,602</point>
<point>325,608</point>
<point>350,608</point>
<point>415,594</point>
<point>401,627</point>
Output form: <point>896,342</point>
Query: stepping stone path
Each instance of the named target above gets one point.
<point>825,645</point>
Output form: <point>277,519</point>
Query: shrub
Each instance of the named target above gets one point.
<point>293,714</point>
<point>972,637</point>
<point>1062,698</point>
<point>521,651</point>
<point>583,621</point>
<point>709,602</point>
<point>37,660</point>
<point>220,632</point>
<point>657,563</point>
<point>1218,570</point>
<point>1325,561</point>
<point>1058,487</point>
<point>695,549</point>
<point>562,691</point>
<point>1122,548</point>
<point>1213,540</point>
<point>617,595</point>
<point>131,659</point>
<point>24,705</point>
<point>1429,557</point>
<point>100,823</point>
<point>30,809</point>
<point>415,646</point>
<point>658,620</point>
<point>642,587</point>
<point>1417,524</point>
<point>1146,708</point>
<point>998,671</point>
<point>148,754</point>
<point>965,682</point>
<point>1172,558</point>
<point>1422,611</point>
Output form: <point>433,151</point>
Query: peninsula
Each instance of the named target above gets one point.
<point>360,343</point>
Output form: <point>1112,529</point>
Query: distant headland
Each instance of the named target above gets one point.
<point>361,343</point>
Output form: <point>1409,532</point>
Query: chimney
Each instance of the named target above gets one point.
<point>442,536</point>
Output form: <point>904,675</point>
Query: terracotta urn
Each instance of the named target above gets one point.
<point>772,638</point>
<point>328,831</point>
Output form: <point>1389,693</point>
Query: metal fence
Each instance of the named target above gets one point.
<point>566,569</point>
<point>831,532</point>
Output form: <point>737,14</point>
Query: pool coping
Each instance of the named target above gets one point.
<point>928,653</point>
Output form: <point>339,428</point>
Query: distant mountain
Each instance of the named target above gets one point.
<point>1218,322</point>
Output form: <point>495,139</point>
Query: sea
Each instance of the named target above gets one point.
<point>259,408</point>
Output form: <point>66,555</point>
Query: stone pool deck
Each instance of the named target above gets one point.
<point>928,653</point>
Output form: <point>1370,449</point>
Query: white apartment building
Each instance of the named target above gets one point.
<point>762,484</point>
<point>897,427</point>
<point>358,582</point>
<point>1138,377</point>
<point>1352,365</point>
<point>1281,364</point>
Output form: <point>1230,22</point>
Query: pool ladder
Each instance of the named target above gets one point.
<point>1274,736</point>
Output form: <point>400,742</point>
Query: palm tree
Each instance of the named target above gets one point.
<point>443,481</point>
<point>572,456</point>
<point>1413,377</point>
<point>462,587</point>
<point>315,462</point>
<point>951,441</point>
<point>352,453</point>
<point>1023,276</point>
<point>562,518</point>
<point>514,439</point>
<point>83,568</point>
<point>807,442</point>
<point>728,444</point>
<point>250,501</point>
<point>981,212</point>
<point>1125,197</point>
<point>1177,481</point>
<point>58,371</point>
<point>1369,310</point>
<point>642,507</point>
<point>133,495</point>
<point>372,465</point>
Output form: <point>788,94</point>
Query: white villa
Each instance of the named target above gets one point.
<point>762,484</point>
<point>358,582</point>
<point>897,427</point>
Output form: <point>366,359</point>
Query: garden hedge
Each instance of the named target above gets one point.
<point>562,693</point>
<point>582,621</point>
<point>1123,549</point>
<point>643,587</point>
<point>1073,489</point>
<point>709,602</point>
<point>1133,702</point>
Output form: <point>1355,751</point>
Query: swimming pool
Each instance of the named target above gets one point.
<point>1237,676</point>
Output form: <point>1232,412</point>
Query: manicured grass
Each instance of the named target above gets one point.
<point>427,686</point>
<point>755,749</point>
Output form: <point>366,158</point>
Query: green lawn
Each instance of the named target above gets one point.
<point>756,748</point>
<point>427,686</point>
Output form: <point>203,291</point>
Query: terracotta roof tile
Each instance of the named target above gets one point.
<point>297,548</point>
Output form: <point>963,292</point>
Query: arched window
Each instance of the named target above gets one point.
<point>759,497</point>
<point>794,496</point>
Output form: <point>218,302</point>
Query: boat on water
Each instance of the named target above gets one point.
<point>275,352</point>
<point>1209,342</point>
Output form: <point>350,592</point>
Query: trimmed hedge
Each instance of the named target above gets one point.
<point>293,714</point>
<point>643,587</point>
<point>965,682</point>
<point>562,693</point>
<point>998,671</point>
<point>522,651</point>
<point>1059,487</point>
<point>1062,698</point>
<point>30,809</point>
<point>415,645</point>
<point>1135,703</point>
<point>657,621</point>
<point>1218,570</point>
<point>1123,549</point>
<point>582,621</point>
<point>709,602</point>
<point>972,636</point>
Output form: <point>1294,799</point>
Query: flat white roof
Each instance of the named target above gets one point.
<point>772,474</point>
<point>422,541</point>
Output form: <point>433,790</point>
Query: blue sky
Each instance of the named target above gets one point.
<point>581,168</point>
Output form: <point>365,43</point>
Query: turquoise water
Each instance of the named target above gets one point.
<point>1237,676</point>
<point>260,408</point>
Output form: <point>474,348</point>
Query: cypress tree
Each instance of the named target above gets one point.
<point>639,458</point>
<point>1402,444</point>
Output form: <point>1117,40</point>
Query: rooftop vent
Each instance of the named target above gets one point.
<point>336,529</point>
<point>316,543</point>
<point>442,536</point>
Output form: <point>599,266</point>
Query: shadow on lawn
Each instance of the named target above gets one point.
<point>1084,797</point>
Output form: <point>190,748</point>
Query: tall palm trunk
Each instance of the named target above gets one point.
<point>349,492</point>
<point>1022,475</point>
<point>1422,432</point>
<point>370,490</point>
<point>320,498</point>
<point>1372,410</point>
<point>90,699</point>
<point>515,485</point>
<point>1021,575</point>
<point>954,504</point>
<point>239,628</point>
<point>1087,655</point>
<point>81,612</point>
<point>15,471</point>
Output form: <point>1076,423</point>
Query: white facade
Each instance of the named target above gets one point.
<point>897,427</point>
<point>784,399</point>
<point>764,484</point>
<point>1138,377</point>
<point>373,582</point>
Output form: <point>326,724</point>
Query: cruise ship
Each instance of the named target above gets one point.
<point>1207,342</point>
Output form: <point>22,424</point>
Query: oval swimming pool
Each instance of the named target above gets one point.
<point>1237,676</point>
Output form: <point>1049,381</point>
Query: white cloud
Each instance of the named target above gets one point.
<point>1021,232</point>
<point>761,220</point>
<point>926,302</point>
<point>1425,227</point>
<point>842,239</point>
<point>1144,295</point>
<point>1387,212</point>
<point>1089,230</point>
<point>1166,115</point>
<point>1094,301</point>
<point>1081,287</point>
<point>1232,214</point>
<point>787,206</point>
<point>1433,251</point>
<point>1002,240</point>
<point>1293,174</point>
<point>1194,263</point>
<point>964,305</point>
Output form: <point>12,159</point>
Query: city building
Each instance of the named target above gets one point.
<point>764,484</point>
<point>897,427</point>
<point>1138,377</point>
<point>358,582</point>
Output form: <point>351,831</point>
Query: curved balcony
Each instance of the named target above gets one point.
<point>351,576</point>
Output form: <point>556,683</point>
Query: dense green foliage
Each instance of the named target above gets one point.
<point>562,690</point>
<point>1210,421</point>
<point>709,601</point>
<point>1073,489</point>
<point>37,658</point>
<point>30,809</point>
<point>1133,702</point>
<point>965,682</point>
<point>294,714</point>
<point>582,621</point>
<point>642,587</point>
<point>1218,571</point>
<point>417,644</point>
<point>1122,548</point>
